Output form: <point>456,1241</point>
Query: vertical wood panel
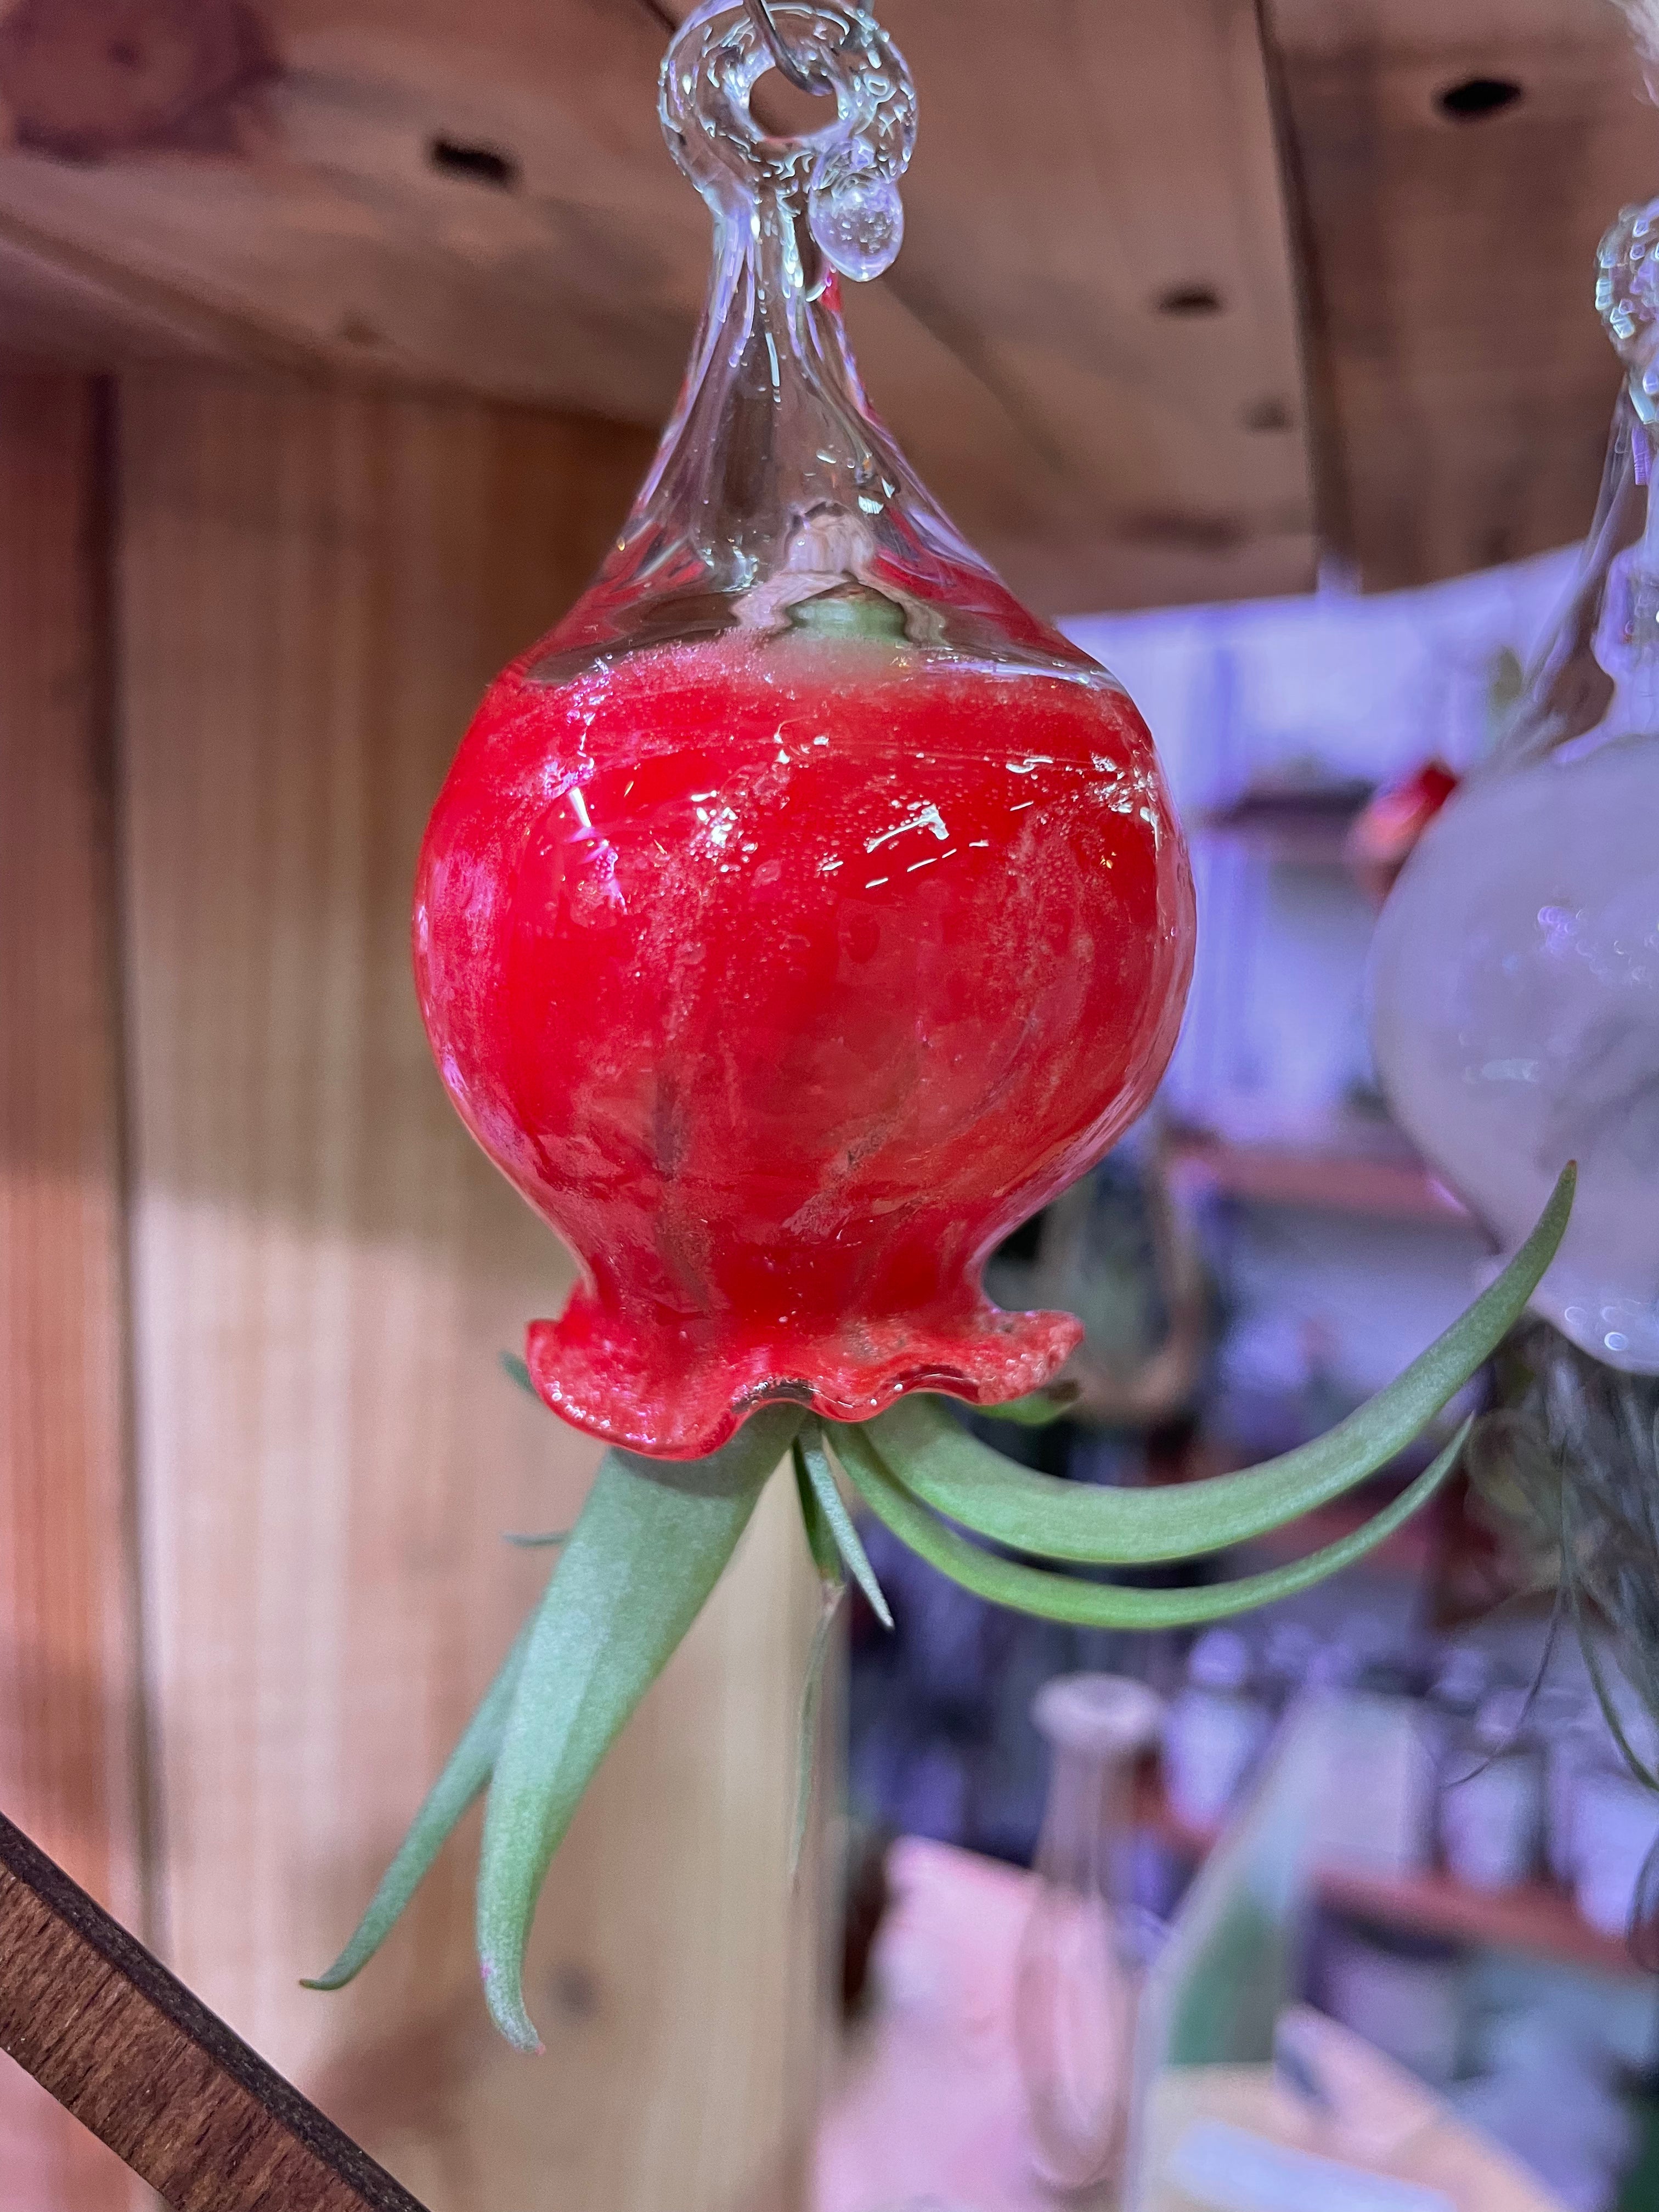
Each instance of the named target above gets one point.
<point>314,587</point>
<point>66,1627</point>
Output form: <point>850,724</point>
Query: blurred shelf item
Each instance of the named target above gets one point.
<point>1537,1919</point>
<point>1385,1181</point>
<point>926,2106</point>
<point>1307,826</point>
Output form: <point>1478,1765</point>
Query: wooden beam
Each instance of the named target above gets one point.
<point>145,2066</point>
<point>1095,232</point>
<point>67,1644</point>
<point>315,584</point>
<point>1451,265</point>
<point>1089,345</point>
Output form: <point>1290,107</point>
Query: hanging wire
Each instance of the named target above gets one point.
<point>807,75</point>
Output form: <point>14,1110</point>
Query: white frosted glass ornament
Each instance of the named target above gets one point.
<point>1514,979</point>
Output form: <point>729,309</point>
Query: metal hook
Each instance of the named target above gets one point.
<point>808,75</point>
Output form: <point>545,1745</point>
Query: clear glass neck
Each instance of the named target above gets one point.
<point>1597,678</point>
<point>1086,1820</point>
<point>777,500</point>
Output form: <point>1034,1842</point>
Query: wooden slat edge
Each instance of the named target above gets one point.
<point>124,2046</point>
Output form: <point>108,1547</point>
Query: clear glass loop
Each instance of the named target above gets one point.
<point>803,73</point>
<point>846,173</point>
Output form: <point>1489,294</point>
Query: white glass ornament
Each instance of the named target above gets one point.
<point>1514,978</point>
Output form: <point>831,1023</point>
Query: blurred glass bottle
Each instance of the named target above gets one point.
<point>1085,1946</point>
<point>1215,1731</point>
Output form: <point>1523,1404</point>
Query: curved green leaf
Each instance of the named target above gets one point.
<point>648,1546</point>
<point>465,1775</point>
<point>946,1468</point>
<point>832,1589</point>
<point>1105,1605</point>
<point>1037,1408</point>
<point>826,1560</point>
<point>516,1369</point>
<point>809,1454</point>
<point>807,1725</point>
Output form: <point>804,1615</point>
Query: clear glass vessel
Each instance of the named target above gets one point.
<point>1085,1946</point>
<point>1515,968</point>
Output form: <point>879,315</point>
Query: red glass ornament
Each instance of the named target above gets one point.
<point>802,913</point>
<point>797,917</point>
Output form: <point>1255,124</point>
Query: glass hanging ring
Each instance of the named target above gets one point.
<point>847,173</point>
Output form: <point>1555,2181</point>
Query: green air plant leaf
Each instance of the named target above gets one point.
<point>651,1542</point>
<point>516,1370</point>
<point>654,1537</point>
<point>464,1776</point>
<point>1106,1604</point>
<point>1037,1408</point>
<point>943,1467</point>
<point>807,1741</point>
<point>820,1542</point>
<point>821,1476</point>
<point>832,1588</point>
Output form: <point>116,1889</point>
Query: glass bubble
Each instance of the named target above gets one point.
<point>859,223</point>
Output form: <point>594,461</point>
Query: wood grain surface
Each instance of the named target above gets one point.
<point>1450,267</point>
<point>1128,229</point>
<point>1096,234</point>
<point>315,584</point>
<point>68,1647</point>
<point>143,2065</point>
<point>479,198</point>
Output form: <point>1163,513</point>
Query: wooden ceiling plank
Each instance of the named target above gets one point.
<point>1117,159</point>
<point>1467,378</point>
<point>1072,171</point>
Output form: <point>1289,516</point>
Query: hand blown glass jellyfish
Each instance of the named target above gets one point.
<point>798,916</point>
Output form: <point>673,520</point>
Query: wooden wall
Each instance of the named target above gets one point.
<point>306,588</point>
<point>68,1769</point>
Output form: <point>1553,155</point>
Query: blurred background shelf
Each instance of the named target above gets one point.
<point>1387,1182</point>
<point>1537,1919</point>
<point>1307,829</point>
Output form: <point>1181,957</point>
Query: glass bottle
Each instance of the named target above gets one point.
<point>1085,1948</point>
<point>1515,967</point>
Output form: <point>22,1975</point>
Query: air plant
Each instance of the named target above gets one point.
<point>1570,1467</point>
<point>654,1536</point>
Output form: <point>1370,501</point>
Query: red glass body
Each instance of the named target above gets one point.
<point>783,976</point>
